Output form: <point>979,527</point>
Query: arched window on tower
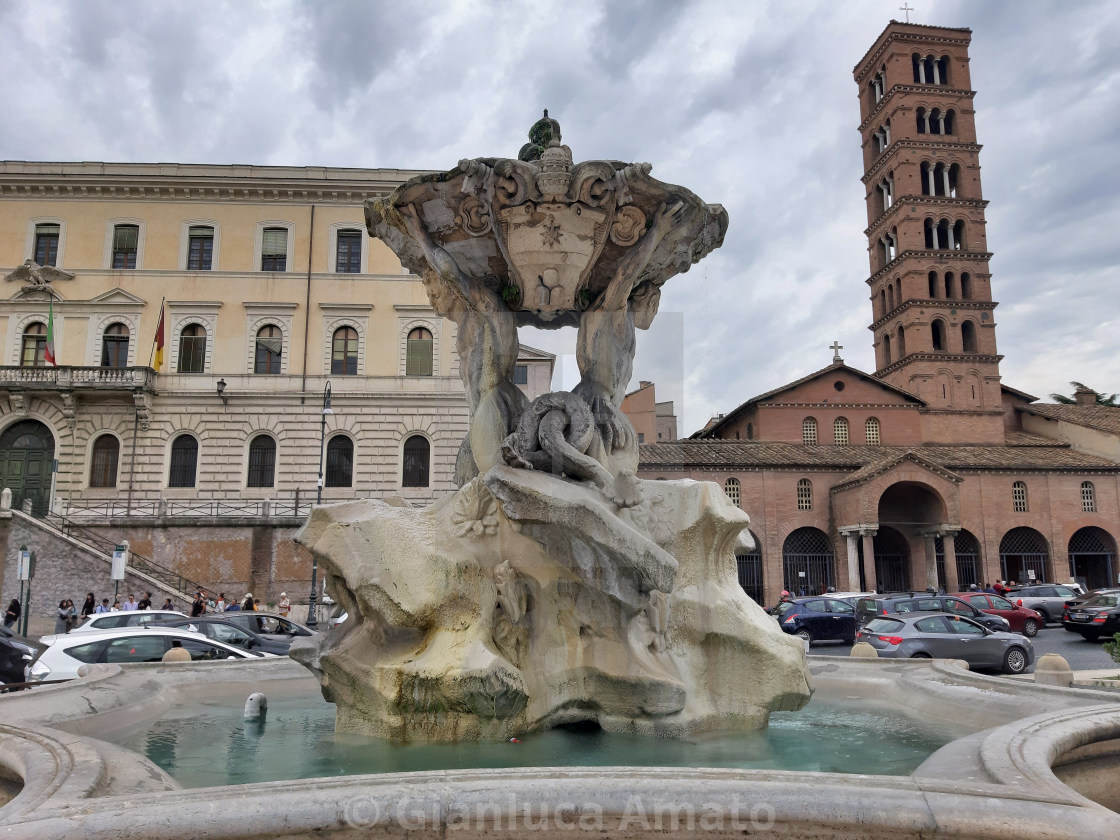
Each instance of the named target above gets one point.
<point>923,121</point>
<point>916,62</point>
<point>732,489</point>
<point>1019,496</point>
<point>890,296</point>
<point>949,122</point>
<point>886,350</point>
<point>840,431</point>
<point>931,234</point>
<point>886,193</point>
<point>871,431</point>
<point>956,237</point>
<point>804,494</point>
<point>933,285</point>
<point>966,286</point>
<point>937,331</point>
<point>809,431</point>
<point>953,177</point>
<point>950,285</point>
<point>901,341</point>
<point>968,336</point>
<point>882,302</point>
<point>943,70</point>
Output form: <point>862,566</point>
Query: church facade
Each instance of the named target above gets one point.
<point>928,471</point>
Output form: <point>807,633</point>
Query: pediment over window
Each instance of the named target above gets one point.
<point>120,297</point>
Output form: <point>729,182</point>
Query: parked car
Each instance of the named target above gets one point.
<point>849,597</point>
<point>935,635</point>
<point>1047,599</point>
<point>268,625</point>
<point>16,654</point>
<point>1099,616</point>
<point>218,628</point>
<point>1021,620</point>
<point>63,657</point>
<point>120,618</point>
<point>868,608</point>
<point>817,619</point>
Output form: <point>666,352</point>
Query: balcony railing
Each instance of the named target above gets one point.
<point>297,505</point>
<point>71,378</point>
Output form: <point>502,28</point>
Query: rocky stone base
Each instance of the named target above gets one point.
<point>525,601</point>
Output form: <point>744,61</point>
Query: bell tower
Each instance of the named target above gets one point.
<point>932,310</point>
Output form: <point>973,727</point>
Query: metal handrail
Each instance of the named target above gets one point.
<point>138,562</point>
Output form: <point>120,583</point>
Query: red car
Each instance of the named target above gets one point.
<point>1021,619</point>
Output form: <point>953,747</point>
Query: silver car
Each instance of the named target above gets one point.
<point>929,635</point>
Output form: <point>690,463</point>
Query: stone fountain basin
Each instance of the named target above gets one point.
<point>1004,780</point>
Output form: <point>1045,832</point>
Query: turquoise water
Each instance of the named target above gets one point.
<point>213,745</point>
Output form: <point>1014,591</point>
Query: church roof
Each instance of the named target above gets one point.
<point>1103,418</point>
<point>877,468</point>
<point>834,368</point>
<point>726,454</point>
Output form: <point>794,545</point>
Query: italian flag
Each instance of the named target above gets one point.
<point>48,355</point>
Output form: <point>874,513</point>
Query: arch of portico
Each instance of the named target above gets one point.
<point>916,499</point>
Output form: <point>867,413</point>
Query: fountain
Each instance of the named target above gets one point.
<point>554,586</point>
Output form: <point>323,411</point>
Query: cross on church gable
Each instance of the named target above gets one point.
<point>836,347</point>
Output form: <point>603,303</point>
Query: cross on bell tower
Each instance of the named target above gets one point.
<point>932,309</point>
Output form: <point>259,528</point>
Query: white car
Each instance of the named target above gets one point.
<point>120,618</point>
<point>66,654</point>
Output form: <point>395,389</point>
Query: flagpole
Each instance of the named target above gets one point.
<point>152,357</point>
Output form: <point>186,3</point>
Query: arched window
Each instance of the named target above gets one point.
<point>950,285</point>
<point>804,494</point>
<point>956,242</point>
<point>1088,497</point>
<point>417,455</point>
<point>901,348</point>
<point>34,348</point>
<point>731,488</point>
<point>919,76</point>
<point>418,360</point>
<point>968,337</point>
<point>933,285</point>
<point>262,462</point>
<point>871,431</point>
<point>184,462</point>
<point>114,346</point>
<point>931,234</point>
<point>966,286</point>
<point>340,462</point>
<point>750,431</point>
<point>954,180</point>
<point>923,123</point>
<point>270,349</point>
<point>882,302</point>
<point>886,192</point>
<point>840,431</point>
<point>809,431</point>
<point>886,349</point>
<point>126,239</point>
<point>949,121</point>
<point>937,331</point>
<point>192,349</point>
<point>1019,496</point>
<point>103,461</point>
<point>890,295</point>
<point>1022,551</point>
<point>344,351</point>
<point>807,562</point>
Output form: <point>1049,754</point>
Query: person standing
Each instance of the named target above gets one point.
<point>220,605</point>
<point>145,603</point>
<point>71,615</point>
<point>130,604</point>
<point>167,605</point>
<point>89,606</point>
<point>197,607</point>
<point>62,618</point>
<point>284,606</point>
<point>248,603</point>
<point>103,607</point>
<point>11,616</point>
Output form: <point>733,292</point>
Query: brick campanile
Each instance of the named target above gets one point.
<point>932,308</point>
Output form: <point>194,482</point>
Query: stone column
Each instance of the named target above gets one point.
<point>952,583</point>
<point>931,560</point>
<point>869,560</point>
<point>853,561</point>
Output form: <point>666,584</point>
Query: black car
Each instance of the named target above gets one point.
<point>221,630</point>
<point>869,608</point>
<point>817,619</point>
<point>1099,616</point>
<point>16,654</point>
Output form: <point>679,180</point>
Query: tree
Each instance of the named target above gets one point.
<point>1110,400</point>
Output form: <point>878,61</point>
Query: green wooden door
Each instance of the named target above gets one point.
<point>26,455</point>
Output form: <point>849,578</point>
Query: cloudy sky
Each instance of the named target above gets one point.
<point>749,103</point>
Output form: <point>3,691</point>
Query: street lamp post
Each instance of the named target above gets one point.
<point>312,621</point>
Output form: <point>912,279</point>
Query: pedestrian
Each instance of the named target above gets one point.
<point>116,606</point>
<point>248,603</point>
<point>220,605</point>
<point>103,607</point>
<point>130,604</point>
<point>71,615</point>
<point>285,605</point>
<point>11,616</point>
<point>197,607</point>
<point>89,605</point>
<point>167,605</point>
<point>785,595</point>
<point>145,602</point>
<point>62,618</point>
